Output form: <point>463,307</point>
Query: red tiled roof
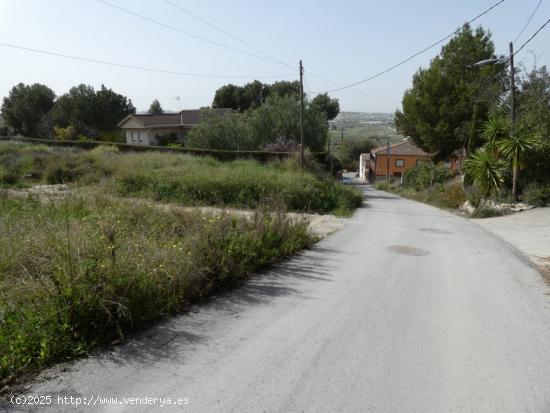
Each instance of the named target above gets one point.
<point>400,148</point>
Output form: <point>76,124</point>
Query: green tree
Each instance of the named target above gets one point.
<point>26,107</point>
<point>349,152</point>
<point>495,130</point>
<point>486,170</point>
<point>325,103</point>
<point>228,132</point>
<point>516,148</point>
<point>513,147</point>
<point>285,88</point>
<point>277,120</point>
<point>91,112</point>
<point>155,108</point>
<point>252,94</point>
<point>533,103</point>
<point>228,96</point>
<point>438,111</point>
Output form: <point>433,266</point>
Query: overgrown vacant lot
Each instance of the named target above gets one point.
<point>89,267</point>
<point>177,178</point>
<point>77,273</point>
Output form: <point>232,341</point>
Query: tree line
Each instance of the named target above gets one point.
<point>35,111</point>
<point>266,116</point>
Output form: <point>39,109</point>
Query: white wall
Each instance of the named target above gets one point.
<point>137,136</point>
<point>364,165</point>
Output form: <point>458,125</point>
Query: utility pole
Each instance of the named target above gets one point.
<point>513,85</point>
<point>388,160</point>
<point>342,140</point>
<point>301,115</point>
<point>513,116</point>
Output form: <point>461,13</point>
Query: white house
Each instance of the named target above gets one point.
<point>146,129</point>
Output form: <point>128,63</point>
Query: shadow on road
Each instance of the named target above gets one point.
<point>174,340</point>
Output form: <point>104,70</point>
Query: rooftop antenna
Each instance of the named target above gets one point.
<point>179,102</point>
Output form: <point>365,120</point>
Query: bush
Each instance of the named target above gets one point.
<point>487,212</point>
<point>537,194</point>
<point>425,174</point>
<point>167,139</point>
<point>77,274</point>
<point>474,195</point>
<point>453,195</point>
<point>9,174</point>
<point>383,186</point>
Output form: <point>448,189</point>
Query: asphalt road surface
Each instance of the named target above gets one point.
<point>407,309</point>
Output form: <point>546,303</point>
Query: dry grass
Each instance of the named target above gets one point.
<point>76,273</point>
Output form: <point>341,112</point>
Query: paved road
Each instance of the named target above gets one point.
<point>529,231</point>
<point>407,309</point>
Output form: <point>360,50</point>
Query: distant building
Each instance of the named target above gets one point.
<point>146,129</point>
<point>403,156</point>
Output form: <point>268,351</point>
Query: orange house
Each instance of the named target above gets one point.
<point>402,156</point>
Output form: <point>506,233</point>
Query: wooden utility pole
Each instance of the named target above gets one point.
<point>301,115</point>
<point>513,85</point>
<point>515,171</point>
<point>388,152</point>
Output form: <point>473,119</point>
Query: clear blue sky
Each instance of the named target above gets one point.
<point>342,41</point>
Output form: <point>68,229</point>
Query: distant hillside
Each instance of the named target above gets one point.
<point>361,125</point>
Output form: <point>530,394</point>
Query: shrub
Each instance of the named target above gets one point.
<point>9,174</point>
<point>474,195</point>
<point>537,194</point>
<point>453,195</point>
<point>113,136</point>
<point>486,212</point>
<point>166,139</point>
<point>382,186</point>
<point>68,133</point>
<point>425,174</point>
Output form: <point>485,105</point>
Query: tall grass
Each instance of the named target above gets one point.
<point>78,273</point>
<point>179,178</point>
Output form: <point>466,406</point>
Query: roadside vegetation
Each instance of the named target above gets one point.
<point>184,179</point>
<point>78,272</point>
<point>430,184</point>
<point>453,111</point>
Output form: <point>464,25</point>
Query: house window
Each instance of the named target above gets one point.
<point>399,163</point>
<point>139,137</point>
<point>133,136</point>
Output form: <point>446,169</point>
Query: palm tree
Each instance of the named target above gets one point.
<point>494,130</point>
<point>486,169</point>
<point>515,148</point>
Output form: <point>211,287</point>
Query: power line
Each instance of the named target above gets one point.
<point>353,89</point>
<point>528,21</point>
<point>210,24</point>
<point>532,37</point>
<point>143,68</point>
<point>167,26</point>
<point>417,53</point>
